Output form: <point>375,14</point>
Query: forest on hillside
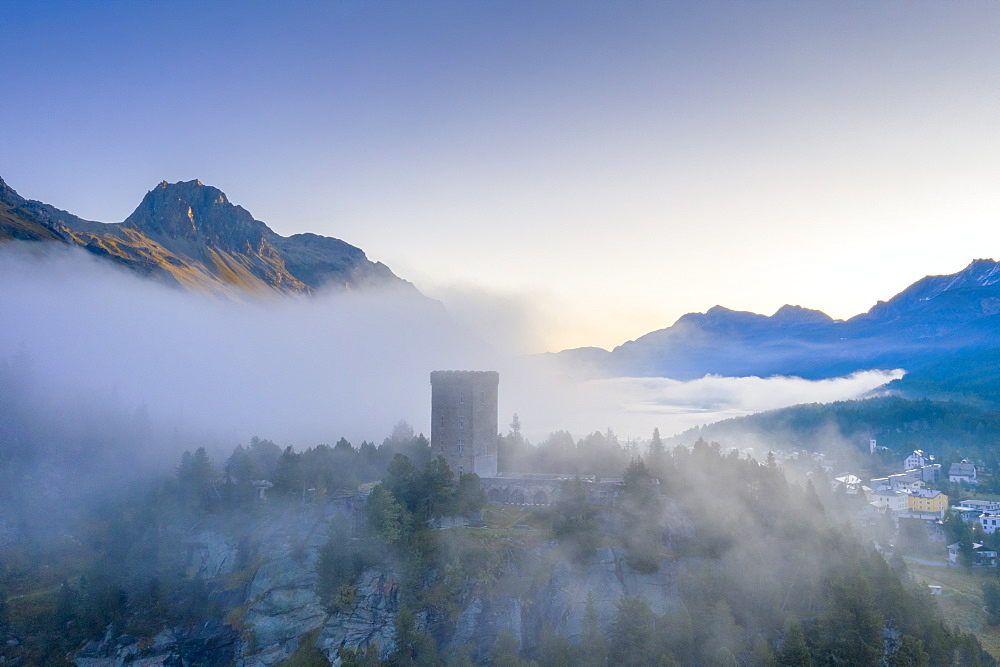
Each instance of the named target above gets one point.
<point>259,552</point>
<point>949,430</point>
<point>768,578</point>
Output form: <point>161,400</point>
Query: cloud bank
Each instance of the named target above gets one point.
<point>634,406</point>
<point>304,371</point>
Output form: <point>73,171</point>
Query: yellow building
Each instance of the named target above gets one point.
<point>927,500</point>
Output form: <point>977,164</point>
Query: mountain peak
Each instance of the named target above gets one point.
<point>190,234</point>
<point>9,195</point>
<point>191,191</point>
<point>979,273</point>
<point>799,315</point>
<point>982,272</point>
<point>189,185</point>
<point>193,210</point>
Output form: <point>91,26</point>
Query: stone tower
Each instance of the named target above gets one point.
<point>464,420</point>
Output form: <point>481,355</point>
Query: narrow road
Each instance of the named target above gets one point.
<point>937,563</point>
<point>34,594</point>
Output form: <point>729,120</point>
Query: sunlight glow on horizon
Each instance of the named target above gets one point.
<point>594,170</point>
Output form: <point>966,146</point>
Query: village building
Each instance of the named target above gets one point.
<point>990,523</point>
<point>927,501</point>
<point>891,500</point>
<point>962,472</point>
<point>927,473</point>
<point>986,506</point>
<point>917,459</point>
<point>981,555</point>
<point>888,483</point>
<point>967,514</point>
<point>850,483</point>
<point>905,481</point>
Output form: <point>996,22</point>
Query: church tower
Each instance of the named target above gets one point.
<point>464,420</point>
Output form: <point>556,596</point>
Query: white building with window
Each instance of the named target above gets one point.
<point>917,459</point>
<point>962,472</point>
<point>990,523</point>
<point>891,500</point>
<point>984,506</point>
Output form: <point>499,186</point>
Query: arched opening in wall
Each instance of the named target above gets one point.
<point>540,498</point>
<point>494,496</point>
<point>517,497</point>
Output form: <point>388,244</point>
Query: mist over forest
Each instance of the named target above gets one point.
<point>524,334</point>
<point>194,479</point>
<point>216,477</point>
<point>296,369</point>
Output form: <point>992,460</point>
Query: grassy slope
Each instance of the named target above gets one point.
<point>14,225</point>
<point>961,600</point>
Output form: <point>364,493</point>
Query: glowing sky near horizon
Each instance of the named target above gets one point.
<point>561,173</point>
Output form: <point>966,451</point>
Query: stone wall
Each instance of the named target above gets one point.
<point>537,489</point>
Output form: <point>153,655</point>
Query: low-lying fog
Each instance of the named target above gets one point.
<point>304,371</point>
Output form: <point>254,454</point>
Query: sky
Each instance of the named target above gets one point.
<point>560,174</point>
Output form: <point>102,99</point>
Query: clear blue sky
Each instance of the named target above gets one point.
<point>588,171</point>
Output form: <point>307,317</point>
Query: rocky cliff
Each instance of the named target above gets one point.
<point>266,589</point>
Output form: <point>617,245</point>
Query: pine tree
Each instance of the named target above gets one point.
<point>592,649</point>
<point>762,655</point>
<point>576,523</point>
<point>553,648</point>
<point>633,641</point>
<point>642,512</point>
<point>506,651</point>
<point>289,478</point>
<point>794,652</point>
<point>657,454</point>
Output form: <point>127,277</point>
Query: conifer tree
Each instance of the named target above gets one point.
<point>592,649</point>
<point>794,652</point>
<point>657,454</point>
<point>761,655</point>
<point>506,652</point>
<point>633,641</point>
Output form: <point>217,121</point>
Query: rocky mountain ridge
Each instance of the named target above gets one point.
<point>190,235</point>
<point>935,317</point>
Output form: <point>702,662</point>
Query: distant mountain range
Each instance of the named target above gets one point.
<point>189,234</point>
<point>943,330</point>
<point>937,329</point>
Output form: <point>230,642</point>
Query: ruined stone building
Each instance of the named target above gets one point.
<point>464,420</point>
<point>464,432</point>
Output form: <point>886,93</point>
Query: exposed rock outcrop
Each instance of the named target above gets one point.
<point>267,590</point>
<point>281,600</point>
<point>208,643</point>
<point>371,620</point>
